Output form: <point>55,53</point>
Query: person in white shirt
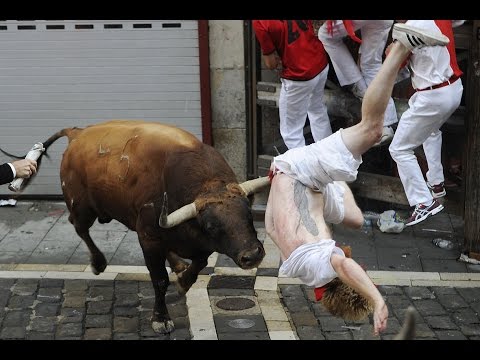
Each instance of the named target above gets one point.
<point>435,76</point>
<point>308,190</point>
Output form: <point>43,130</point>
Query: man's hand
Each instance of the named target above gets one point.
<point>25,168</point>
<point>380,316</point>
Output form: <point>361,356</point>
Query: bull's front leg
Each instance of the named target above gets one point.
<point>155,261</point>
<point>188,277</point>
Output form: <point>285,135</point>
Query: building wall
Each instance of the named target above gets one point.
<point>227,75</point>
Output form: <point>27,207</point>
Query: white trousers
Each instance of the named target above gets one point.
<point>299,99</point>
<point>420,125</point>
<point>374,39</point>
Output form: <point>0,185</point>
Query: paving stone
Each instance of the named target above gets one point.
<point>296,303</point>
<point>470,295</point>
<point>48,283</point>
<point>310,333</point>
<point>98,334</point>
<point>244,336</point>
<point>429,308</point>
<point>34,335</point>
<point>181,323</point>
<point>16,318</point>
<point>470,330</point>
<point>75,285</point>
<point>126,287</point>
<point>239,324</point>
<point>6,283</point>
<point>423,331</point>
<point>231,282</point>
<point>443,290</point>
<point>184,334</point>
<point>43,324</point>
<point>177,310</point>
<point>365,333</point>
<point>207,270</point>
<point>50,294</point>
<point>99,293</point>
<point>12,332</point>
<point>450,335</point>
<point>291,290</point>
<point>390,290</point>
<point>21,302</point>
<point>393,326</point>
<point>126,300</point>
<point>330,324</point>
<point>104,283</point>
<point>98,321</point>
<point>128,311</point>
<point>126,336</point>
<point>304,319</point>
<point>465,316</point>
<point>47,309</point>
<point>72,315</point>
<point>419,293</point>
<point>74,301</point>
<point>267,272</point>
<point>24,288</point>
<point>341,335</point>
<point>125,324</point>
<point>452,302</point>
<point>69,330</point>
<point>440,322</point>
<point>99,307</point>
<point>231,292</point>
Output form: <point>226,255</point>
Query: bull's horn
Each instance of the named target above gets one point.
<point>185,213</point>
<point>251,186</point>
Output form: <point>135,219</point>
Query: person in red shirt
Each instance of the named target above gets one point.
<point>292,47</point>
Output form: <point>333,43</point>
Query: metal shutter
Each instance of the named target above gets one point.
<point>56,74</point>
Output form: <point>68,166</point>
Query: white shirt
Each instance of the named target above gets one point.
<point>429,65</point>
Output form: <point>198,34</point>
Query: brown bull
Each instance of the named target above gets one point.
<point>126,170</point>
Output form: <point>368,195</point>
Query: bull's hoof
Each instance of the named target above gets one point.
<point>180,266</point>
<point>182,285</point>
<point>163,327</point>
<point>98,264</point>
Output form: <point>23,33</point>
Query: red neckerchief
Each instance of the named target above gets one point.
<point>348,26</point>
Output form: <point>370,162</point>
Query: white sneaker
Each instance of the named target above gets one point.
<point>387,136</point>
<point>413,37</point>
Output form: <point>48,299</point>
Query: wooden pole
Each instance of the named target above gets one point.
<point>472,153</point>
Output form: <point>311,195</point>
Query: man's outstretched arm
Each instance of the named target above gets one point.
<point>354,276</point>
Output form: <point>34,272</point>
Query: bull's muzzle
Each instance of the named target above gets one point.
<point>249,259</point>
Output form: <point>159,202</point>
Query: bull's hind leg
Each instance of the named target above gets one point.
<point>187,278</point>
<point>176,262</point>
<point>82,218</point>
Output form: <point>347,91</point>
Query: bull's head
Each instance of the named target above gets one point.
<point>226,218</point>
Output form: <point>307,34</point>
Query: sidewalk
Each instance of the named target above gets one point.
<point>47,290</point>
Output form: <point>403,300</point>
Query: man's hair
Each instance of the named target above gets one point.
<point>342,300</point>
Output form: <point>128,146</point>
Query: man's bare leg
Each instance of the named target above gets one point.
<point>362,136</point>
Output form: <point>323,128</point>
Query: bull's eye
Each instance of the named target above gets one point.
<point>211,228</point>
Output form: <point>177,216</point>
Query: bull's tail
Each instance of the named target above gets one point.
<point>70,132</point>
